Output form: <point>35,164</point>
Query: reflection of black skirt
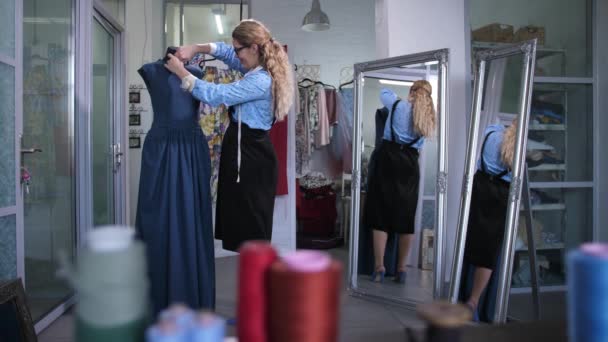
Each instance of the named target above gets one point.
<point>392,196</point>
<point>487,217</point>
<point>244,210</point>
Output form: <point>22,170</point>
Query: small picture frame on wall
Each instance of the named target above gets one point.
<point>134,97</point>
<point>134,119</point>
<point>15,319</point>
<point>134,142</point>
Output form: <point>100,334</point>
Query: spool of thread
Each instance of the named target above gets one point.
<point>208,327</point>
<point>255,260</point>
<point>166,331</point>
<point>304,295</point>
<point>444,320</point>
<point>113,301</point>
<point>588,293</point>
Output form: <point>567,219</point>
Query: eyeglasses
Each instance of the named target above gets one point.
<point>237,50</point>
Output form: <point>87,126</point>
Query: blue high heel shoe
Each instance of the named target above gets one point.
<point>375,274</point>
<point>474,311</point>
<point>400,277</point>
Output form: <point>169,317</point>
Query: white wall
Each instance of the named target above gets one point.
<point>349,40</point>
<point>430,25</point>
<point>144,39</point>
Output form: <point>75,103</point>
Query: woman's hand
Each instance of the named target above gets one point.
<point>176,66</point>
<point>187,52</point>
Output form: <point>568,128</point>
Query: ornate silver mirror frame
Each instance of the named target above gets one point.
<point>528,50</point>
<point>439,57</point>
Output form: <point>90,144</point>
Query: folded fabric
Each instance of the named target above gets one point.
<point>537,145</point>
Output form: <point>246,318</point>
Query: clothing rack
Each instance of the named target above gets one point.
<point>302,83</point>
<point>303,71</point>
<point>346,76</point>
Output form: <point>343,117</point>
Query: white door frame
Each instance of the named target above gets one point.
<point>119,109</point>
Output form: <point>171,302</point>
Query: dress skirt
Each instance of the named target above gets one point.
<point>174,217</point>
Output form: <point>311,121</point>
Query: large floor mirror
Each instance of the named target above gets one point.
<point>399,178</point>
<point>494,176</point>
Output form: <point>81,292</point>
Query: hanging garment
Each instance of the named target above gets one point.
<point>174,206</point>
<point>313,115</point>
<point>278,137</point>
<point>245,207</point>
<point>341,144</point>
<point>302,135</point>
<point>330,100</point>
<point>321,136</point>
<point>214,121</point>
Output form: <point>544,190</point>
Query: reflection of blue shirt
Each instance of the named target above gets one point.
<point>491,152</point>
<point>252,95</point>
<point>403,126</point>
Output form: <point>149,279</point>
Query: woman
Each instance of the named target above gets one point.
<point>487,214</point>
<point>392,196</point>
<point>248,164</point>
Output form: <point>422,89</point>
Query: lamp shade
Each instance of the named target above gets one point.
<point>315,20</point>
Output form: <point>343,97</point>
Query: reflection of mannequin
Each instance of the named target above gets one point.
<point>487,218</point>
<point>392,196</point>
<point>174,206</point>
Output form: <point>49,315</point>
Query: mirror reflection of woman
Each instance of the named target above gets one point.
<point>392,198</point>
<point>487,216</point>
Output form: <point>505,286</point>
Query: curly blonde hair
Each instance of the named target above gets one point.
<point>425,118</point>
<point>274,59</point>
<point>507,148</point>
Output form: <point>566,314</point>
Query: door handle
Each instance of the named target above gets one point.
<point>30,150</point>
<point>117,157</point>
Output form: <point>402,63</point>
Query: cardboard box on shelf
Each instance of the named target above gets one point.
<point>427,249</point>
<point>497,33</point>
<point>530,32</point>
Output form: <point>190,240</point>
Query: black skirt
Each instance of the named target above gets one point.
<point>245,209</point>
<point>393,185</point>
<point>487,218</point>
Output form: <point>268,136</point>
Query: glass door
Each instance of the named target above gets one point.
<point>10,112</point>
<point>107,125</point>
<point>47,146</point>
<point>102,123</point>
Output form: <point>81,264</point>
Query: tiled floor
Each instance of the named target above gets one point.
<point>360,320</point>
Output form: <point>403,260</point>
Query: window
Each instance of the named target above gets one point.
<point>191,22</point>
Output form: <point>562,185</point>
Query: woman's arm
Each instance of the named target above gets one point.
<point>253,87</point>
<point>226,54</point>
<point>388,98</point>
<point>221,51</point>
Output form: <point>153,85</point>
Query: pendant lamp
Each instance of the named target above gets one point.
<point>315,20</point>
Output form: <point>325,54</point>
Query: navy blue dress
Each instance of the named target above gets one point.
<point>174,205</point>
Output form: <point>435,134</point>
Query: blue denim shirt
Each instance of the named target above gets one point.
<point>491,152</point>
<point>251,95</point>
<point>403,126</point>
